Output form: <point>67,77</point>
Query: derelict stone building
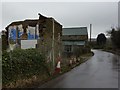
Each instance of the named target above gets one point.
<point>43,33</point>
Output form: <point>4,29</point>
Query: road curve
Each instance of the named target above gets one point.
<point>100,71</point>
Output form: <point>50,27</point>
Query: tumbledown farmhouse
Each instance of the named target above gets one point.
<point>43,33</point>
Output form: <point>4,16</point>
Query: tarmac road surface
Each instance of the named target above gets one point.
<point>100,71</point>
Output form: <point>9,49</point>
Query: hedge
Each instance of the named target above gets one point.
<point>22,64</point>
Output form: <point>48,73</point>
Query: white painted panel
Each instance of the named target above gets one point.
<point>25,44</point>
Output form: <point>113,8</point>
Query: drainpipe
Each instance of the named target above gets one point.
<point>53,45</point>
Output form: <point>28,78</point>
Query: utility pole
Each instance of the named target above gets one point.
<point>90,31</point>
<point>53,38</point>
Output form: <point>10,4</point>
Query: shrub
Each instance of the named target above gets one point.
<point>4,42</point>
<point>22,64</point>
<point>81,50</point>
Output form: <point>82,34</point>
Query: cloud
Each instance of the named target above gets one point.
<point>101,14</point>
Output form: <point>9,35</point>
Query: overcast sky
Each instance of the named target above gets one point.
<point>102,15</point>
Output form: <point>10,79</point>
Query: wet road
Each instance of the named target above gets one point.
<point>100,71</point>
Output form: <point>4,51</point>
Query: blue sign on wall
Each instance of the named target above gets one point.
<point>13,35</point>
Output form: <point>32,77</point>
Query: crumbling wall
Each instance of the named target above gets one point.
<point>45,45</point>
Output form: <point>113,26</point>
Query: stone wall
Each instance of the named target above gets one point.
<point>75,37</point>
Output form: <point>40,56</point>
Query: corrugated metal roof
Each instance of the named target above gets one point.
<point>75,31</point>
<point>74,42</point>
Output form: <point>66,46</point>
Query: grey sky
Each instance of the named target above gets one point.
<point>102,15</point>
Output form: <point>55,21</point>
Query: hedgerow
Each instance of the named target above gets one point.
<point>19,64</point>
